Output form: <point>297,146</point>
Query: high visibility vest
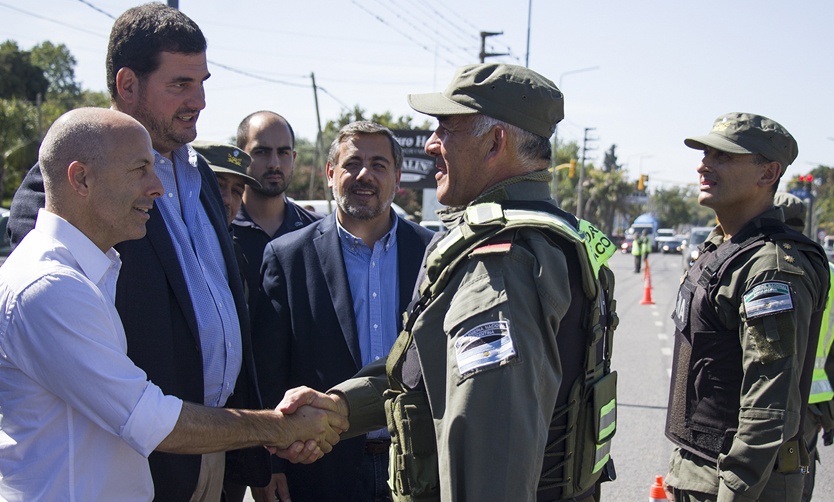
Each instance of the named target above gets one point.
<point>821,384</point>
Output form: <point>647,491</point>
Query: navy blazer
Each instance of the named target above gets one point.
<point>155,307</point>
<point>304,333</point>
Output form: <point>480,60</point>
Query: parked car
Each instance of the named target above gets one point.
<point>672,245</point>
<point>625,247</point>
<point>5,244</point>
<point>433,225</point>
<point>697,235</point>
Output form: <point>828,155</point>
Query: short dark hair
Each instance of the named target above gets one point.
<point>243,128</point>
<point>140,34</point>
<point>359,128</point>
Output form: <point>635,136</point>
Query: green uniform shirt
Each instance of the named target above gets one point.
<point>773,352</point>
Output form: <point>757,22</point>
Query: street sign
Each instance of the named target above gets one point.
<point>801,193</point>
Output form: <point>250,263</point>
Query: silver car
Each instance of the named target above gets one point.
<point>697,235</point>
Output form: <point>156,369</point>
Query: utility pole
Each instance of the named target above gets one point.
<point>484,54</point>
<point>580,204</point>
<point>318,145</point>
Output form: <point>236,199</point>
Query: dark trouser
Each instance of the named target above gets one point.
<point>373,487</point>
<point>637,260</point>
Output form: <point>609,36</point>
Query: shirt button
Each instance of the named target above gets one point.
<point>376,358</point>
<point>376,326</point>
<point>374,294</point>
<point>170,194</point>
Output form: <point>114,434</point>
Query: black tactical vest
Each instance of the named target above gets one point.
<point>707,374</point>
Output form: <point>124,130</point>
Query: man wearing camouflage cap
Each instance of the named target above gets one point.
<point>229,165</point>
<point>477,388</point>
<point>747,319</point>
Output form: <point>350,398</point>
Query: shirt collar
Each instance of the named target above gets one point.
<point>89,257</point>
<point>388,240</point>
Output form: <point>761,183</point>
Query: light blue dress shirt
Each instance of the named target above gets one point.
<point>374,281</point>
<point>198,251</point>
<point>374,285</point>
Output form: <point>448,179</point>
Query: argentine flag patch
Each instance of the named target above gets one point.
<point>485,345</point>
<point>767,298</point>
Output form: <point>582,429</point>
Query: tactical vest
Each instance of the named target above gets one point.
<point>707,374</point>
<point>821,390</point>
<point>584,420</point>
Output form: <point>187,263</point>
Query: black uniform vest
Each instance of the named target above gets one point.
<point>707,374</point>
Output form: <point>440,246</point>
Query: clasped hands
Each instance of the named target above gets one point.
<point>315,420</point>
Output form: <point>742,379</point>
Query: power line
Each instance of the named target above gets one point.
<point>448,13</point>
<point>445,34</point>
<point>67,25</point>
<point>444,16</point>
<point>88,4</point>
<point>419,44</point>
<point>415,28</point>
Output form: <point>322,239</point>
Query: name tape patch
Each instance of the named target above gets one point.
<point>484,345</point>
<point>767,298</point>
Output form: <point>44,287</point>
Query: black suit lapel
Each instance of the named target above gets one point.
<point>160,240</point>
<point>328,249</point>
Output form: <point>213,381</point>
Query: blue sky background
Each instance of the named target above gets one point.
<point>662,70</point>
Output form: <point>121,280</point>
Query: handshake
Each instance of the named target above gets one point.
<point>311,423</point>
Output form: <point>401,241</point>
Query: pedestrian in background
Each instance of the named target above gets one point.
<point>640,249</point>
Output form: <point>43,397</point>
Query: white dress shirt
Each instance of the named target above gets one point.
<point>77,417</point>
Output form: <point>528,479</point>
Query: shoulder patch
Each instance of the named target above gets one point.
<point>485,345</point>
<point>767,298</point>
<point>500,247</point>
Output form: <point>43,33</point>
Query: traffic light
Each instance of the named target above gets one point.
<point>572,168</point>
<point>806,182</point>
<point>641,183</point>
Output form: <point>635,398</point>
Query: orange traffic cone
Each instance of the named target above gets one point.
<point>656,492</point>
<point>647,290</point>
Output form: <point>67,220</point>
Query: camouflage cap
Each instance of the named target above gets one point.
<point>223,158</point>
<point>513,94</point>
<point>793,208</point>
<point>749,133</point>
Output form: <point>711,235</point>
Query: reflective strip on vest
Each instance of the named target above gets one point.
<point>601,456</point>
<point>598,248</point>
<point>821,390</point>
<point>607,420</point>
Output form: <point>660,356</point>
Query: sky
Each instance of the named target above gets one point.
<point>641,75</point>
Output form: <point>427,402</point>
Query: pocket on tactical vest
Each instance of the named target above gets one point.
<point>714,381</point>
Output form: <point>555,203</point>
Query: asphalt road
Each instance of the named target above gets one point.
<point>643,361</point>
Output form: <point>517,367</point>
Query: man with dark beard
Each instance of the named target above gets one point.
<point>333,294</point>
<point>266,212</point>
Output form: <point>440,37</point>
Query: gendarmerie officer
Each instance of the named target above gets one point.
<point>745,317</point>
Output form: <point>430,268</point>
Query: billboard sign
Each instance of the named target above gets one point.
<point>418,167</point>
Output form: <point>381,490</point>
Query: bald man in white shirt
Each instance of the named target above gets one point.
<point>77,417</point>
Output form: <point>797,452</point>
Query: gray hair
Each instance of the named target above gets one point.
<point>532,148</point>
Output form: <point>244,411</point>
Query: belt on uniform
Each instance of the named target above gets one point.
<point>377,446</point>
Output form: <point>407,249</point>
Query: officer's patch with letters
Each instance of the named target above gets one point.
<point>485,345</point>
<point>767,298</point>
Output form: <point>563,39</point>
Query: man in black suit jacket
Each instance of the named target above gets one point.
<point>323,314</point>
<point>156,66</point>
